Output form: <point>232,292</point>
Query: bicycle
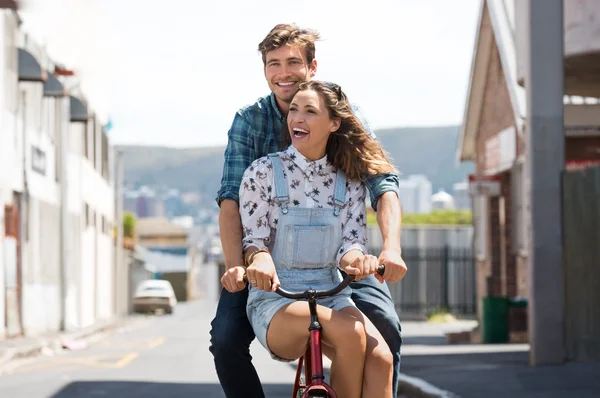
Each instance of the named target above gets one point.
<point>313,357</point>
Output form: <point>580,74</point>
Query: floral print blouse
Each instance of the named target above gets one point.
<point>311,184</point>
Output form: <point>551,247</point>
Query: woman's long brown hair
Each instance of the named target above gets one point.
<point>350,148</point>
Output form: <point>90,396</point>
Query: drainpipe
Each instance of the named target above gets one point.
<point>120,281</point>
<point>63,113</point>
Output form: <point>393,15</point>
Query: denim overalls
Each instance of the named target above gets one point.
<point>304,253</point>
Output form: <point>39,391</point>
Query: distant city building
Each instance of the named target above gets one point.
<point>462,200</point>
<point>415,194</point>
<point>442,200</point>
<point>173,205</point>
<point>143,203</point>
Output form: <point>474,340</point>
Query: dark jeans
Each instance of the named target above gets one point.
<point>231,335</point>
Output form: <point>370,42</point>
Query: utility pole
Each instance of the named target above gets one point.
<point>544,165</point>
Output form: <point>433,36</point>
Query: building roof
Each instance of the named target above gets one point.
<point>158,226</point>
<point>442,196</point>
<point>162,262</point>
<point>496,23</point>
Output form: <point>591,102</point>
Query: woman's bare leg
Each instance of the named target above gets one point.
<point>288,334</point>
<point>379,363</point>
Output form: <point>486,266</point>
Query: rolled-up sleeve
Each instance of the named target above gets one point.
<point>255,206</point>
<point>239,154</point>
<point>354,231</point>
<point>380,184</point>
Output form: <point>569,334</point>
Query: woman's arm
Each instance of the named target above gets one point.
<point>255,211</point>
<point>352,257</point>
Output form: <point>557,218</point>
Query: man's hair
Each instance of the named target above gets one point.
<point>289,34</point>
<point>350,148</point>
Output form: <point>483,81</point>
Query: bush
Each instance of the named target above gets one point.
<point>437,217</point>
<point>129,225</point>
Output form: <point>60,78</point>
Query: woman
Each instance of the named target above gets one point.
<point>304,215</point>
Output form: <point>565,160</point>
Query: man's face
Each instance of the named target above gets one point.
<point>285,69</point>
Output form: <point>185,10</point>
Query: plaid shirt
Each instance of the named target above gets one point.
<point>255,132</point>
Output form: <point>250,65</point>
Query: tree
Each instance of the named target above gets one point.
<point>129,221</point>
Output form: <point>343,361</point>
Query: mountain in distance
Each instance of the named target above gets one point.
<point>430,151</point>
<point>426,150</point>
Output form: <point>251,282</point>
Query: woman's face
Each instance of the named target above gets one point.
<point>309,124</point>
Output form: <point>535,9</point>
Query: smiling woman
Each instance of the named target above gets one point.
<point>312,194</point>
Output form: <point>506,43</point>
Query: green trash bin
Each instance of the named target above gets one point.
<point>495,320</point>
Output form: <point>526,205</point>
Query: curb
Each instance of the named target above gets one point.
<point>55,342</point>
<point>413,387</point>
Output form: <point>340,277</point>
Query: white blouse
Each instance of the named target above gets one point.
<point>311,184</point>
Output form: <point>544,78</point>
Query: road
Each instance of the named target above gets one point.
<point>156,356</point>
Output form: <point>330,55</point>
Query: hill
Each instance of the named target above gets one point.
<point>415,150</point>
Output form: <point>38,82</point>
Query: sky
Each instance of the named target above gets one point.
<point>174,72</point>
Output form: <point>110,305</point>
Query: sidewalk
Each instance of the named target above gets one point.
<point>479,370</point>
<point>23,347</point>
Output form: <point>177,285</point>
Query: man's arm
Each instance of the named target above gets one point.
<point>384,196</point>
<point>239,154</point>
<point>230,226</point>
<point>389,220</point>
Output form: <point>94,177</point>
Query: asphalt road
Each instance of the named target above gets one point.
<point>156,356</point>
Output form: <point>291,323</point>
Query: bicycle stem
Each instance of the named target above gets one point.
<point>315,337</point>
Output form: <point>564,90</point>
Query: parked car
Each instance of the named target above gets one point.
<point>152,295</point>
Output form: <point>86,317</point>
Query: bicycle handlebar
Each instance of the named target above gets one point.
<point>322,293</point>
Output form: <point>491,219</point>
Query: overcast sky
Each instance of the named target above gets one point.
<point>175,72</point>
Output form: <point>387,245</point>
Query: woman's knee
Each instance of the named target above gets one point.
<point>352,335</point>
<point>380,358</point>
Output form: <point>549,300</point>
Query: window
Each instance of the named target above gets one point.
<point>105,172</point>
<point>11,91</point>
<point>85,140</point>
<point>519,226</point>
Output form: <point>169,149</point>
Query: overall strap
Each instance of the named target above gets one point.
<point>339,196</point>
<point>281,186</point>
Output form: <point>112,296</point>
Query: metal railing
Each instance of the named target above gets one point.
<point>438,279</point>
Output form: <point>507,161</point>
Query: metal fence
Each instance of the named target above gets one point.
<point>438,279</point>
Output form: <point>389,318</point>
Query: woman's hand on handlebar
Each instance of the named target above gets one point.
<point>261,274</point>
<point>362,266</point>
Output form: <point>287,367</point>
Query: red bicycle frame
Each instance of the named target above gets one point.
<point>313,361</point>
<point>314,385</point>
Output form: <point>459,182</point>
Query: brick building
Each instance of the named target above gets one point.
<point>492,137</point>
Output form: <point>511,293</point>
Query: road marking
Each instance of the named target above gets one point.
<point>110,361</point>
<point>97,362</point>
<point>126,360</point>
<point>156,342</point>
<point>134,344</point>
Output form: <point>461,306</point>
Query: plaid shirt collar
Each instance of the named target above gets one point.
<point>273,102</point>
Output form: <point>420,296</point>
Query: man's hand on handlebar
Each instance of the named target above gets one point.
<point>261,274</point>
<point>233,279</point>
<point>395,267</point>
<point>362,266</point>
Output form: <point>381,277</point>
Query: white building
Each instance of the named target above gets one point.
<point>56,196</point>
<point>415,194</point>
<point>442,201</point>
<point>462,199</point>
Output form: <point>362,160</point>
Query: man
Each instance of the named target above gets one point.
<point>288,56</point>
